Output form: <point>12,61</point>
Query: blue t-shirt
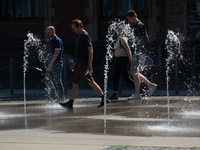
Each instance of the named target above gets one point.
<point>81,51</point>
<point>56,44</point>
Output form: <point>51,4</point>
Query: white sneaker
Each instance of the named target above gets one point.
<point>152,89</point>
<point>135,97</point>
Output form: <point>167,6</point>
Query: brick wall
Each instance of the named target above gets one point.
<point>19,30</point>
<point>12,36</point>
<point>65,12</point>
<point>161,19</point>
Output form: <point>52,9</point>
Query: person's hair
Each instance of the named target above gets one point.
<point>77,22</point>
<point>51,28</point>
<point>123,32</point>
<point>131,13</point>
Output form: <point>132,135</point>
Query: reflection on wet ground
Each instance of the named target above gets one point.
<point>148,117</point>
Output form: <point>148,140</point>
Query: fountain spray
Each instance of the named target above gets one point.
<point>108,57</point>
<point>173,49</point>
<point>33,43</point>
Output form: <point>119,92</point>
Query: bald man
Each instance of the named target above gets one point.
<point>53,75</point>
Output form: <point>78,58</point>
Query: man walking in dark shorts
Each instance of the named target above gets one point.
<point>83,62</point>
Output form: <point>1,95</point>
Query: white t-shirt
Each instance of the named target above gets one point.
<point>119,50</point>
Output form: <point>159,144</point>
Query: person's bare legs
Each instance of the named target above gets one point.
<point>136,81</point>
<point>139,77</point>
<point>96,88</point>
<point>145,80</point>
<point>74,91</point>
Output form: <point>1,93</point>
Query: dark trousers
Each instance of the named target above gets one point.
<point>122,68</point>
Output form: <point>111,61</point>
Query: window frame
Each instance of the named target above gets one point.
<point>135,7</point>
<point>33,17</point>
<point>192,27</point>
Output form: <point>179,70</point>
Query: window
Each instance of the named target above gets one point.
<point>23,8</point>
<point>39,8</point>
<point>119,8</point>
<point>143,7</point>
<point>124,6</point>
<point>108,8</point>
<point>16,9</point>
<point>193,18</point>
<point>6,9</point>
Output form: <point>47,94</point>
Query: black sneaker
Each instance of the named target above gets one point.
<point>102,104</point>
<point>142,92</point>
<point>67,105</point>
<point>113,97</point>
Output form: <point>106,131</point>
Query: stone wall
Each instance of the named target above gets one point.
<point>157,20</point>
<point>64,12</point>
<point>167,14</point>
<point>177,15</point>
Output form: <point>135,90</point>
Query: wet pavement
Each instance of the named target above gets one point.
<point>148,148</point>
<point>146,118</point>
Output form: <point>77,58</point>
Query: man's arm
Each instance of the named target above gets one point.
<point>90,58</point>
<point>73,65</point>
<point>55,55</point>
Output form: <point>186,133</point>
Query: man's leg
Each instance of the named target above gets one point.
<point>74,91</point>
<point>136,76</point>
<point>139,77</point>
<point>136,81</point>
<point>51,90</point>
<point>127,77</point>
<point>80,73</point>
<point>69,104</point>
<point>145,80</point>
<point>96,88</point>
<point>57,74</point>
<point>151,86</point>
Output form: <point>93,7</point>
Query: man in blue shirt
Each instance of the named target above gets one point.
<point>83,63</point>
<point>53,75</point>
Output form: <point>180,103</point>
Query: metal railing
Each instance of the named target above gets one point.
<point>194,64</point>
<point>12,73</point>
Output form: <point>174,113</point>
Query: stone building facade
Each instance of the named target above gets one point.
<point>157,15</point>
<point>163,15</point>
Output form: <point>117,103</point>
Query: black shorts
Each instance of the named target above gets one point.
<point>82,74</point>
